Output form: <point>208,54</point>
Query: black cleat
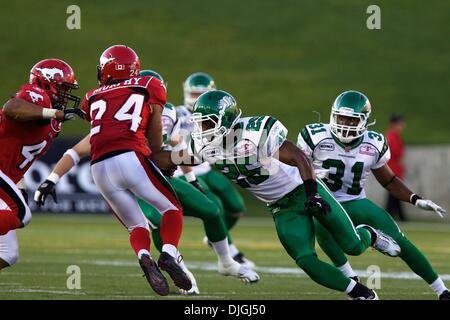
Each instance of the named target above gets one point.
<point>445,295</point>
<point>361,292</point>
<point>356,278</point>
<point>154,276</point>
<point>167,263</point>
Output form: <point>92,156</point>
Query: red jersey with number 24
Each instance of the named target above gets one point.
<point>120,113</point>
<point>22,142</point>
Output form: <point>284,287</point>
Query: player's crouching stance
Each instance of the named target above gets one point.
<point>345,152</point>
<point>124,112</point>
<point>29,122</point>
<point>255,154</point>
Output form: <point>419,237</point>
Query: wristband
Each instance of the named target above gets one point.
<point>310,187</point>
<point>190,176</point>
<point>48,113</point>
<point>53,177</point>
<point>413,199</point>
<point>74,155</point>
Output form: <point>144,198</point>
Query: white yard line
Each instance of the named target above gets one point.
<point>271,270</point>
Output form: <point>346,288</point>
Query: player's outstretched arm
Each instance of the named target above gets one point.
<point>22,110</point>
<point>70,158</point>
<point>290,154</point>
<point>398,189</point>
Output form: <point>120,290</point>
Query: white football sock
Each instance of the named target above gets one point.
<point>170,249</point>
<point>233,250</point>
<point>438,286</point>
<point>347,270</point>
<point>223,251</point>
<point>143,251</point>
<point>351,285</point>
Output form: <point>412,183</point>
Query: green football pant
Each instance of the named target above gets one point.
<point>364,211</point>
<point>223,188</point>
<point>295,229</point>
<point>194,204</point>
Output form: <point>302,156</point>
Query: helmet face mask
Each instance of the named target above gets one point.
<point>350,116</point>
<point>215,114</point>
<point>194,86</point>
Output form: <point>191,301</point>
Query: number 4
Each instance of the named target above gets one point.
<point>137,101</point>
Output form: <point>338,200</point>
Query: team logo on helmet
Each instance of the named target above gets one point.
<point>225,102</point>
<point>35,97</point>
<point>49,74</point>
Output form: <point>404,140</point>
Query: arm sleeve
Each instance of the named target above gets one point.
<point>157,92</point>
<point>384,155</point>
<point>303,136</point>
<point>272,138</point>
<point>85,108</point>
<point>33,95</point>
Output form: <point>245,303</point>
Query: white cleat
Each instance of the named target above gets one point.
<point>194,290</point>
<point>384,243</point>
<point>237,270</point>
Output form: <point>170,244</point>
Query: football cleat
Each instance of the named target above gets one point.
<point>167,263</point>
<point>361,292</point>
<point>445,295</point>
<point>194,290</point>
<point>244,261</point>
<point>383,243</point>
<point>237,270</point>
<point>356,278</point>
<point>154,276</point>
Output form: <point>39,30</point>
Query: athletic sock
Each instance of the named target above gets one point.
<point>140,241</point>
<point>233,250</point>
<point>351,286</point>
<point>170,249</point>
<point>223,251</point>
<point>347,270</point>
<point>438,286</point>
<point>171,226</point>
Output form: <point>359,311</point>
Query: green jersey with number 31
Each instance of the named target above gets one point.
<point>344,168</point>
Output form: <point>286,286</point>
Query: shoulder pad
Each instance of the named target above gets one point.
<point>314,133</point>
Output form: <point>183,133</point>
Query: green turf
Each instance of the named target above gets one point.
<point>109,270</point>
<point>284,59</point>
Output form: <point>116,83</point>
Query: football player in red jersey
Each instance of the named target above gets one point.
<point>125,115</point>
<point>29,122</point>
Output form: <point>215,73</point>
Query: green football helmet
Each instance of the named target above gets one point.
<point>349,117</point>
<point>153,74</point>
<point>196,84</point>
<point>215,114</point>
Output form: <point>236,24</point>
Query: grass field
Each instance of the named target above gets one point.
<point>109,270</point>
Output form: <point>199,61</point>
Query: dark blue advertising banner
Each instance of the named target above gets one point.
<point>76,191</point>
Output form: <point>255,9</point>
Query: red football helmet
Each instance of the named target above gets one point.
<point>118,62</point>
<point>57,78</point>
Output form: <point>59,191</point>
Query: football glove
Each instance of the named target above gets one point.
<point>47,188</point>
<point>314,202</point>
<point>430,206</point>
<point>71,114</point>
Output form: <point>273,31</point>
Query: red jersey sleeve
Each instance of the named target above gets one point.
<point>34,94</point>
<point>85,107</point>
<point>157,92</point>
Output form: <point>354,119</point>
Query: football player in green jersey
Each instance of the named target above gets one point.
<point>215,185</point>
<point>255,153</point>
<point>344,152</point>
